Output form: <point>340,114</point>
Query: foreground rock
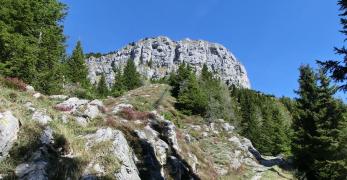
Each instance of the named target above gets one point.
<point>158,57</point>
<point>36,168</point>
<point>9,127</point>
<point>120,149</point>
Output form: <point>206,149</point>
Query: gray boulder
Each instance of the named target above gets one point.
<point>41,117</point>
<point>121,151</point>
<point>9,127</point>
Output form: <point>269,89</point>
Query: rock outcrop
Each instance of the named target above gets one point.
<point>9,127</point>
<point>120,149</point>
<point>157,57</point>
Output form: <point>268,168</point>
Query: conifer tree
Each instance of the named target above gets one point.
<point>77,68</point>
<point>102,89</point>
<point>330,163</point>
<point>305,124</point>
<point>118,86</point>
<point>338,68</point>
<point>191,99</point>
<point>176,79</point>
<point>32,42</point>
<point>131,77</point>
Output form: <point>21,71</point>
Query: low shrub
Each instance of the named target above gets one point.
<point>15,83</point>
<point>131,114</point>
<point>63,107</point>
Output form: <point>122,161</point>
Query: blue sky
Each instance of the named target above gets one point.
<point>272,38</point>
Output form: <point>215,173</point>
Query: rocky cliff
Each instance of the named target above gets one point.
<point>157,57</point>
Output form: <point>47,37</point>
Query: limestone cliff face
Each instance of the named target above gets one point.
<point>157,57</point>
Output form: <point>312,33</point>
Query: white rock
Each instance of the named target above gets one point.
<point>30,89</point>
<point>196,127</point>
<point>64,118</point>
<point>81,121</point>
<point>72,103</point>
<point>92,111</point>
<point>58,97</point>
<point>9,127</point>
<point>152,137</point>
<point>29,106</point>
<point>193,162</point>
<point>37,95</point>
<point>41,117</point>
<point>228,127</point>
<point>96,102</point>
<point>121,150</point>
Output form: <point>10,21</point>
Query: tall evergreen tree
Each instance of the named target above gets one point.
<point>118,86</point>
<point>338,68</point>
<point>102,89</point>
<point>319,128</point>
<point>191,99</point>
<point>77,68</point>
<point>305,126</point>
<point>176,79</point>
<point>131,77</point>
<point>32,42</point>
<point>330,163</point>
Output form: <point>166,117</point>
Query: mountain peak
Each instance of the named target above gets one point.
<point>158,56</point>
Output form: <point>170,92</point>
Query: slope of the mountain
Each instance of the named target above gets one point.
<point>157,57</point>
<point>139,135</point>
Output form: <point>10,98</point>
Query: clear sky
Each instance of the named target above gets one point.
<point>272,38</point>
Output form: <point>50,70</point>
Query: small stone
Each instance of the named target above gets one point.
<point>81,121</point>
<point>37,95</point>
<point>47,136</point>
<point>30,89</point>
<point>58,97</point>
<point>228,127</point>
<point>41,117</point>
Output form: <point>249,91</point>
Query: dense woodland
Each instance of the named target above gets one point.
<point>310,129</point>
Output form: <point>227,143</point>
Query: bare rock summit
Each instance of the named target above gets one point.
<point>157,57</point>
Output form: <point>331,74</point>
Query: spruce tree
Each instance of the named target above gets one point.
<point>102,89</point>
<point>305,124</point>
<point>131,77</point>
<point>118,86</point>
<point>191,99</point>
<point>77,68</point>
<point>330,163</point>
<point>32,42</point>
<point>176,79</point>
<point>338,68</point>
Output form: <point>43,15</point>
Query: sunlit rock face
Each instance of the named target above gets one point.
<point>157,57</point>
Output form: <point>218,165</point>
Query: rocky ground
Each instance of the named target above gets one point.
<point>137,136</point>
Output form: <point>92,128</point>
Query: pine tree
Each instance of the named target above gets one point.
<point>32,42</point>
<point>206,75</point>
<point>305,124</point>
<point>329,164</point>
<point>131,77</point>
<point>176,79</point>
<point>77,68</point>
<point>338,68</point>
<point>118,86</point>
<point>191,99</point>
<point>102,89</point>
